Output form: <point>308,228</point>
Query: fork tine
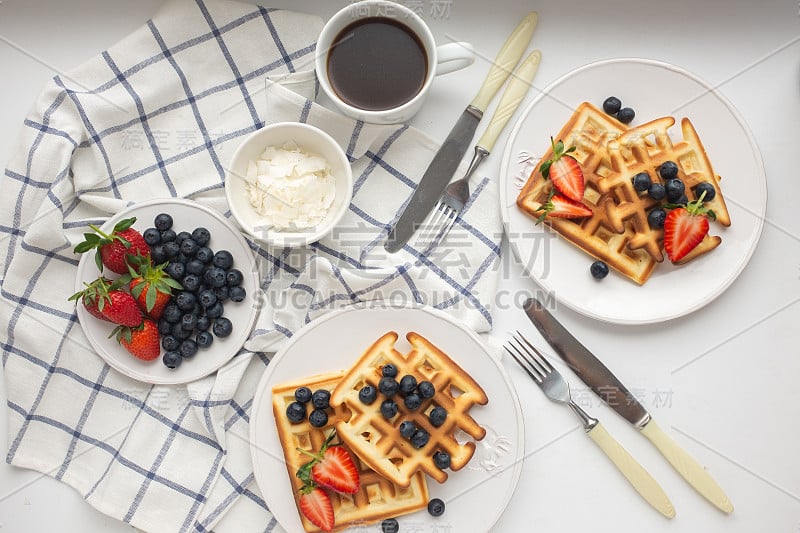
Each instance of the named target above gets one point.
<point>453,217</point>
<point>530,370</point>
<point>540,357</point>
<point>529,357</point>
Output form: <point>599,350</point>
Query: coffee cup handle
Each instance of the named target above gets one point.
<point>453,56</point>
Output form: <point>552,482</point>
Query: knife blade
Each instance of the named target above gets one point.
<point>445,162</point>
<point>611,390</point>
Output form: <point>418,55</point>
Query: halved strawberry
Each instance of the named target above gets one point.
<point>685,227</point>
<point>105,300</point>
<point>113,249</point>
<point>564,171</point>
<point>558,206</point>
<point>336,471</point>
<point>316,506</point>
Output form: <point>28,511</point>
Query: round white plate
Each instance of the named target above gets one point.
<point>187,215</point>
<point>475,496</point>
<point>653,89</point>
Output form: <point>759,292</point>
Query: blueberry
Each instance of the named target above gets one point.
<point>436,507</point>
<point>707,188</point>
<point>318,418</point>
<point>656,218</point>
<point>388,386</point>
<point>188,348</point>
<point>367,394</point>
<point>164,326</point>
<point>158,254</point>
<point>151,236</point>
<point>163,221</point>
<point>204,339</point>
<point>388,408</point>
<point>668,170</point>
<point>189,321</point>
<point>222,327</point>
<point>407,384</point>
<point>172,359</point>
<point>441,460</point>
<point>222,293</point>
<point>207,298</point>
<point>234,277</point>
<point>204,255</point>
<point>682,200</point>
<point>171,313</point>
<point>598,269</point>
<point>170,343</point>
<point>675,188</point>
<point>641,181</point>
<point>426,389</point>
<point>185,300</point>
<point>390,525</point>
<point>223,259</point>
<point>182,236</point>
<point>176,270</point>
<point>179,333</point>
<point>203,323</point>
<point>171,249</point>
<point>168,235</point>
<point>656,191</point>
<point>215,311</point>
<point>189,247</point>
<point>407,429</point>
<point>437,416</point>
<point>420,438</point>
<point>201,236</point>
<point>389,370</point>
<point>296,412</point>
<point>321,399</point>
<point>625,115</point>
<point>195,266</point>
<point>191,282</point>
<point>302,394</point>
<point>237,294</point>
<point>214,277</point>
<point>412,401</point>
<point>611,105</point>
<point>180,258</point>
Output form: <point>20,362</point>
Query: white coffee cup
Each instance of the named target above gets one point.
<point>440,59</point>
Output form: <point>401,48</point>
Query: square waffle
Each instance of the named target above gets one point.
<point>378,498</point>
<point>610,154</point>
<point>377,440</point>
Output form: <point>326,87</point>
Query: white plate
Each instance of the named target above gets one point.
<point>186,215</point>
<point>653,89</point>
<point>475,496</point>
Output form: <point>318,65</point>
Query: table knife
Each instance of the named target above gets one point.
<point>606,385</point>
<point>447,159</point>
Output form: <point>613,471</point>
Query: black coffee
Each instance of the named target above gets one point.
<point>377,63</point>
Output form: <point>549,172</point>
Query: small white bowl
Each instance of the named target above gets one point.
<point>310,140</point>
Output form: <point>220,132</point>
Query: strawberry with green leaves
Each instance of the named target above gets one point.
<point>150,285</point>
<point>564,172</point>
<point>558,206</point>
<point>104,299</point>
<point>142,342</point>
<point>113,249</point>
<point>685,227</point>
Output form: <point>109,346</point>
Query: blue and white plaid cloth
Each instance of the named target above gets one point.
<point>159,115</point>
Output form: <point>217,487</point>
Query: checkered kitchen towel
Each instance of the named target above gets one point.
<point>158,115</point>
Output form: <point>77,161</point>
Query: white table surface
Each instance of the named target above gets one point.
<point>691,372</point>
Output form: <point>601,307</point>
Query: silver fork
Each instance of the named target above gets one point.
<point>556,388</point>
<point>456,194</point>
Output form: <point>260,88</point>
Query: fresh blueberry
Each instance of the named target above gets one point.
<point>707,188</point>
<point>641,181</point>
<point>222,293</point>
<point>163,221</point>
<point>182,236</point>
<point>321,399</point>
<point>656,218</point>
<point>656,191</point>
<point>188,348</point>
<point>296,412</point>
<point>207,298</point>
<point>185,300</point>
<point>675,188</point>
<point>367,394</point>
<point>598,269</point>
<point>407,384</point>
<point>223,259</point>
<point>164,326</point>
<point>171,313</point>
<point>204,339</point>
<point>625,115</point>
<point>204,255</point>
<point>170,343</point>
<point>151,236</point>
<point>157,254</point>
<point>682,200</point>
<point>388,386</point>
<point>318,418</point>
<point>172,359</point>
<point>420,438</point>
<point>179,333</point>
<point>441,460</point>
<point>234,277</point>
<point>390,525</point>
<point>302,394</point>
<point>189,247</point>
<point>189,321</point>
<point>612,105</point>
<point>176,271</point>
<point>426,390</point>
<point>191,282</point>
<point>668,170</point>
<point>436,507</point>
<point>222,327</point>
<point>389,370</point>
<point>412,401</point>
<point>171,249</point>
<point>203,323</point>
<point>407,429</point>
<point>195,267</point>
<point>237,294</point>
<point>180,258</point>
<point>388,408</point>
<point>201,236</point>
<point>168,235</point>
<point>437,416</point>
<point>215,311</point>
<point>214,277</point>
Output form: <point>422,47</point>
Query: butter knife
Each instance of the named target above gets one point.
<point>611,390</point>
<point>447,159</point>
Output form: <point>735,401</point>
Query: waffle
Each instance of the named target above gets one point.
<point>378,498</point>
<point>610,154</point>
<point>377,440</point>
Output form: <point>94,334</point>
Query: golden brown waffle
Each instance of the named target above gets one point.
<point>377,440</point>
<point>378,498</point>
<point>610,154</point>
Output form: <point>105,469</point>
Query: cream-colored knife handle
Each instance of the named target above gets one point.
<point>506,60</point>
<point>687,466</point>
<point>647,487</point>
<point>515,91</point>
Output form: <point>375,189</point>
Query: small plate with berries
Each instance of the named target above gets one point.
<point>166,291</point>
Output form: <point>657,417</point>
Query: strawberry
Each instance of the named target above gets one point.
<point>558,206</point>
<point>150,285</point>
<point>316,506</point>
<point>564,171</point>
<point>685,227</point>
<point>104,299</point>
<point>113,249</point>
<point>331,468</point>
<point>142,341</point>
